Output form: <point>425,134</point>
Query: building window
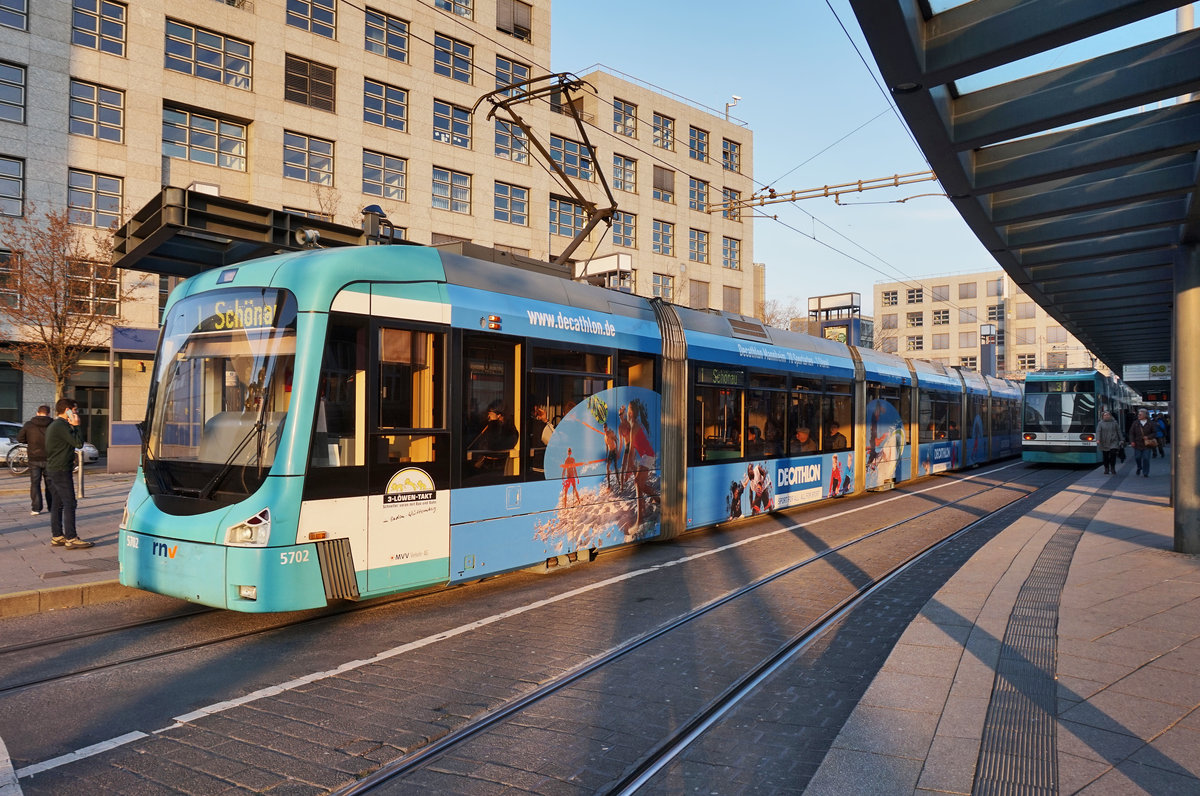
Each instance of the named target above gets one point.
<point>663,286</point>
<point>566,217</point>
<point>99,25</point>
<point>697,294</point>
<point>12,93</point>
<point>731,253</point>
<point>731,299</point>
<point>572,157</point>
<point>318,16</point>
<point>995,287</point>
<point>941,341</point>
<point>890,298</point>
<point>995,312</point>
<point>14,14</point>
<point>969,362</point>
<point>624,173</point>
<point>968,290</point>
<point>731,155</point>
<point>697,246</point>
<point>307,158</point>
<point>451,124</point>
<point>92,288</point>
<point>515,18</point>
<point>309,83</point>
<point>207,55</point>
<point>10,289</point>
<point>1026,361</point>
<point>731,210</point>
<point>890,321</point>
<point>460,7</point>
<point>916,295</point>
<point>940,292</point>
<point>1056,360</point>
<point>916,343</point>
<point>202,138</point>
<point>941,317</point>
<point>512,204</point>
<point>509,72</point>
<point>915,319</point>
<point>664,238</point>
<point>452,58</point>
<point>1026,335</point>
<point>511,142</point>
<point>12,186</point>
<point>888,345</point>
<point>1026,310</point>
<point>451,190</point>
<point>386,35</point>
<point>385,176</point>
<point>94,200</point>
<point>698,144</point>
<point>968,339</point>
<point>1056,334</point>
<point>624,118</point>
<point>96,111</point>
<point>697,194</point>
<point>624,229</point>
<point>968,315</point>
<point>385,105</point>
<point>664,132</point>
<point>664,184</point>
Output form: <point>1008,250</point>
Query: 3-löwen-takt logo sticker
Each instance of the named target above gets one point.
<point>410,485</point>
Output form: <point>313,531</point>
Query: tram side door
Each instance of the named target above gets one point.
<point>408,515</point>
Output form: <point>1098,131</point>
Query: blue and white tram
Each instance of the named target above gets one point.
<point>1061,410</point>
<point>347,423</point>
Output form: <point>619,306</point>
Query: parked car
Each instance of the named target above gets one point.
<point>90,454</point>
<point>8,436</point>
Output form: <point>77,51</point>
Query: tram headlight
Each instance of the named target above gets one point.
<point>1028,436</point>
<point>254,532</point>
<point>1088,437</point>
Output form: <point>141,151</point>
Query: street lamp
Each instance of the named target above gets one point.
<point>728,105</point>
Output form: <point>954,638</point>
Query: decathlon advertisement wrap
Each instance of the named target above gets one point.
<point>722,492</point>
<point>886,446</point>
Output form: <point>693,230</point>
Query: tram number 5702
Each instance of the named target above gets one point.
<point>293,557</point>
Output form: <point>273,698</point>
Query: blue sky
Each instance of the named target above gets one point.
<point>818,117</point>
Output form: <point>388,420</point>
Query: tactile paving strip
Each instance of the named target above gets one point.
<point>1018,754</point>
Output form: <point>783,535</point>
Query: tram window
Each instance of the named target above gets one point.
<point>636,370</point>
<point>804,423</point>
<point>936,411</point>
<point>491,409</point>
<point>410,379</point>
<point>764,424</point>
<point>570,359</point>
<point>551,398</point>
<point>719,412</point>
<point>340,424</point>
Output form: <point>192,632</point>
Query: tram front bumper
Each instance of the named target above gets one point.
<point>250,579</point>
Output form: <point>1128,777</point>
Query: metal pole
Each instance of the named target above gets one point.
<point>79,471</point>
<point>1185,404</point>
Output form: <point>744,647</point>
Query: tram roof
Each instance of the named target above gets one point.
<point>1080,179</point>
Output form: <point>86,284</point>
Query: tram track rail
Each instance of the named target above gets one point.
<point>672,745</point>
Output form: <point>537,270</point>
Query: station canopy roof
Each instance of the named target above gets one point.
<point>1067,138</point>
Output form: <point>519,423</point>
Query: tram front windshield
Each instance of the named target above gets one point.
<point>220,392</point>
<point>1055,407</point>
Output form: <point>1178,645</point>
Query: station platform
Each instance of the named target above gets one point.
<point>1064,656</point>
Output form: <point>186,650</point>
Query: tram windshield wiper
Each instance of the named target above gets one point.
<point>207,490</point>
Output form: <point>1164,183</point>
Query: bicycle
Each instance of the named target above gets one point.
<point>18,459</point>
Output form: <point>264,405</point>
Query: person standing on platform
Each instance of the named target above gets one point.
<point>62,438</point>
<point>1142,436</point>
<point>1108,440</point>
<point>33,436</point>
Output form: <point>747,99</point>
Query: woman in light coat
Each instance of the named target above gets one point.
<point>1109,441</point>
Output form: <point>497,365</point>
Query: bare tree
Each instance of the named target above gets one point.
<point>780,312</point>
<point>60,296</point>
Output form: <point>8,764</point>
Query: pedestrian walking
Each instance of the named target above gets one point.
<point>1109,441</point>
<point>62,438</point>
<point>1160,434</point>
<point>1142,438</point>
<point>33,436</point>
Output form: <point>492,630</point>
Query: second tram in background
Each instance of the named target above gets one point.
<point>1062,408</point>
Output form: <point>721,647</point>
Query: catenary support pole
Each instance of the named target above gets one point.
<point>1185,404</point>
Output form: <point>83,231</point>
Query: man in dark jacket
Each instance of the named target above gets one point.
<point>33,436</point>
<point>62,438</point>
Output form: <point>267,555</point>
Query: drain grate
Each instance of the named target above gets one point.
<point>1019,753</point>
